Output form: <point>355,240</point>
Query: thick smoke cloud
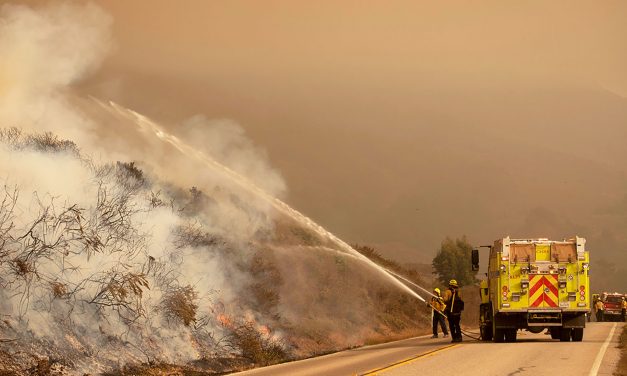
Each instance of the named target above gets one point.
<point>43,52</point>
<point>155,238</point>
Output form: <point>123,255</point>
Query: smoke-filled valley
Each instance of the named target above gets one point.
<point>119,251</point>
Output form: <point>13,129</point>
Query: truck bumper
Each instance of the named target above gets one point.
<point>523,319</point>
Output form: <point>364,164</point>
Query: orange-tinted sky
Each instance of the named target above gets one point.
<point>397,123</point>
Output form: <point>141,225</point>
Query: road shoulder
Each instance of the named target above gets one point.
<point>617,354</point>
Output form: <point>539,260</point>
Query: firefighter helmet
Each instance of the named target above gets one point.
<point>453,283</point>
<point>436,290</point>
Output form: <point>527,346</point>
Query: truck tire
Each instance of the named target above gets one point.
<point>577,334</point>
<point>510,335</point>
<point>485,319</point>
<point>499,335</point>
<point>486,333</point>
<point>565,335</point>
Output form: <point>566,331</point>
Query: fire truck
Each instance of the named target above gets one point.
<point>613,306</point>
<point>534,284</point>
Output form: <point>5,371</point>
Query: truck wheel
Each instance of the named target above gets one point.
<point>577,334</point>
<point>486,333</point>
<point>510,335</point>
<point>565,335</point>
<point>498,335</point>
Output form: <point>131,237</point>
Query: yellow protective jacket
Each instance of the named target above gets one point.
<point>624,304</point>
<point>598,306</point>
<point>437,303</point>
<point>448,296</point>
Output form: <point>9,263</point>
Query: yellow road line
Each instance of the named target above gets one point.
<point>409,360</point>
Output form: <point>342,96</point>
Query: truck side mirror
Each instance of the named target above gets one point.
<point>475,260</point>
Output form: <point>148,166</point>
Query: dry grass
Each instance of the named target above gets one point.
<point>621,367</point>
<point>472,300</point>
<point>267,279</point>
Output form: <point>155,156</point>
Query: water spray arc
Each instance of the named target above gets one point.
<point>147,124</point>
<point>394,274</point>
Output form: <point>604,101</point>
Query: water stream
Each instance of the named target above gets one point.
<point>147,124</point>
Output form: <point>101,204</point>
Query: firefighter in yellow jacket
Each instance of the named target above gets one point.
<point>454,307</point>
<point>623,308</point>
<point>599,309</point>
<point>437,310</point>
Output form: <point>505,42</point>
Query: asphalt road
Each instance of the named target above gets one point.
<point>532,354</point>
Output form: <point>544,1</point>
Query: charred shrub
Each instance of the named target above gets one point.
<point>196,202</point>
<point>22,267</point>
<point>130,176</point>
<point>180,305</point>
<point>255,345</point>
<point>48,143</point>
<point>193,235</point>
<point>122,291</point>
<point>59,290</point>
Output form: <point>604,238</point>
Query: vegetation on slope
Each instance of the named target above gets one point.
<point>108,266</point>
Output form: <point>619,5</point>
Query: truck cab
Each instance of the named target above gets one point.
<point>534,284</point>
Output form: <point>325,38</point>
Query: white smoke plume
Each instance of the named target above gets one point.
<point>43,52</point>
<point>98,255</point>
<point>226,142</point>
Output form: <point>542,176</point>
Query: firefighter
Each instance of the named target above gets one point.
<point>454,307</point>
<point>437,310</point>
<point>598,310</point>
<point>623,308</point>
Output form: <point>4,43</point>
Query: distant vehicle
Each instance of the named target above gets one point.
<point>534,284</point>
<point>613,308</point>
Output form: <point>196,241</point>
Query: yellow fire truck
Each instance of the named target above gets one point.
<point>534,284</point>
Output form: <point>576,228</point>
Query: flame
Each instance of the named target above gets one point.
<point>264,329</point>
<point>225,320</point>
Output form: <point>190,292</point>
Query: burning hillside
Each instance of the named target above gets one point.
<point>124,247</point>
<point>130,271</point>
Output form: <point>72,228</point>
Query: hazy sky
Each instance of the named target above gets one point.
<point>397,123</point>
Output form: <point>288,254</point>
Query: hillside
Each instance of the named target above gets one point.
<point>106,268</point>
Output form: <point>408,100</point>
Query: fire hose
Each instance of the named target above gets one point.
<point>464,332</point>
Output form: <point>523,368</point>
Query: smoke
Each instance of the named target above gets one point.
<point>227,143</point>
<point>44,51</point>
<point>96,255</point>
<point>117,247</point>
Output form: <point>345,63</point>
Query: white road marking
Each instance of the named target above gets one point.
<point>601,354</point>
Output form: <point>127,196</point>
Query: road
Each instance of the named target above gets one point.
<point>532,354</point>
